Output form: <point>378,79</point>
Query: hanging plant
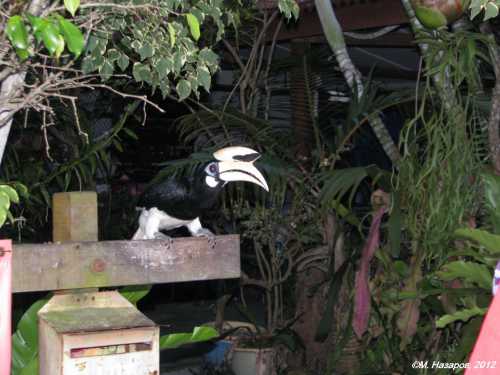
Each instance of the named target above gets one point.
<point>434,14</point>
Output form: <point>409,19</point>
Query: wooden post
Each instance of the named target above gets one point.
<point>74,216</point>
<point>5,306</point>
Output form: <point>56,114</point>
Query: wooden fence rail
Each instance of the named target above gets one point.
<point>73,265</point>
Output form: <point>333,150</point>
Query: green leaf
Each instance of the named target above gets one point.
<point>136,45</point>
<point>17,33</point>
<point>199,334</point>
<point>141,72</point>
<point>106,70</point>
<point>475,11</point>
<point>462,315</point>
<point>401,268</point>
<point>200,16</point>
<point>204,334</point>
<point>123,61</point>
<point>171,34</point>
<point>490,241</point>
<point>174,340</point>
<point>3,216</point>
<point>25,341</point>
<point>52,40</point>
<point>4,201</point>
<point>194,26</point>
<point>67,180</point>
<point>179,60</point>
<point>394,225</point>
<point>183,89</point>
<point>164,88</point>
<point>72,6</point>
<point>130,133</point>
<point>92,43</point>
<point>325,324</point>
<point>289,8</point>
<point>490,11</point>
<point>38,25</point>
<point>204,78</point>
<point>11,193</point>
<point>134,293</point>
<point>208,57</point>
<point>118,145</point>
<point>60,46</point>
<point>468,271</point>
<point>31,367</point>
<point>45,195</point>
<point>430,18</point>
<point>145,51</point>
<point>73,37</point>
<point>476,4</point>
<point>492,198</point>
<point>22,53</point>
<point>284,7</point>
<point>88,65</point>
<point>113,54</point>
<point>164,67</point>
<point>295,10</point>
<point>339,182</point>
<point>22,189</point>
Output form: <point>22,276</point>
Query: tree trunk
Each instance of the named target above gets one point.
<point>334,35</point>
<point>12,86</point>
<point>311,308</point>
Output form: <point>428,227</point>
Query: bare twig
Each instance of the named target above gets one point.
<point>77,121</point>
<point>373,35</point>
<point>45,137</point>
<point>244,79</point>
<point>142,98</point>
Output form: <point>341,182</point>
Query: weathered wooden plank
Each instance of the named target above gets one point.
<point>72,265</point>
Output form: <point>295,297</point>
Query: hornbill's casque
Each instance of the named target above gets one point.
<point>176,202</point>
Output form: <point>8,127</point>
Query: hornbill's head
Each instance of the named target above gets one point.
<point>234,164</point>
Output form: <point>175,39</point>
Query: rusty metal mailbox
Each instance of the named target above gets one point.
<point>97,333</point>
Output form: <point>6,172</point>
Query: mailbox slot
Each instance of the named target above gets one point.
<point>110,350</point>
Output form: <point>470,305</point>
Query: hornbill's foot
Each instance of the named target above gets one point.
<point>209,235</point>
<point>164,237</point>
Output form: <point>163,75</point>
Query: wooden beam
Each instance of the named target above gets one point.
<point>371,14</point>
<point>41,267</point>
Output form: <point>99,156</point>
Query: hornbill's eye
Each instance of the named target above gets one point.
<point>212,169</point>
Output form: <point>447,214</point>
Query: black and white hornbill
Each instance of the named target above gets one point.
<point>176,202</point>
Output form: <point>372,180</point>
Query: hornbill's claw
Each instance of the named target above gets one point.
<point>164,237</point>
<point>209,235</point>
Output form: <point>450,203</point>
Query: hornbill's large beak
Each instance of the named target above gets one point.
<point>236,164</point>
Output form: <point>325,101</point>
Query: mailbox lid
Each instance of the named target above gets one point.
<point>92,312</point>
<point>95,319</point>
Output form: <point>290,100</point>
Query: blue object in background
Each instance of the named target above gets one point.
<point>217,355</point>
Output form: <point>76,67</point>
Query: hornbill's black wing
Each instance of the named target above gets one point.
<point>174,196</point>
